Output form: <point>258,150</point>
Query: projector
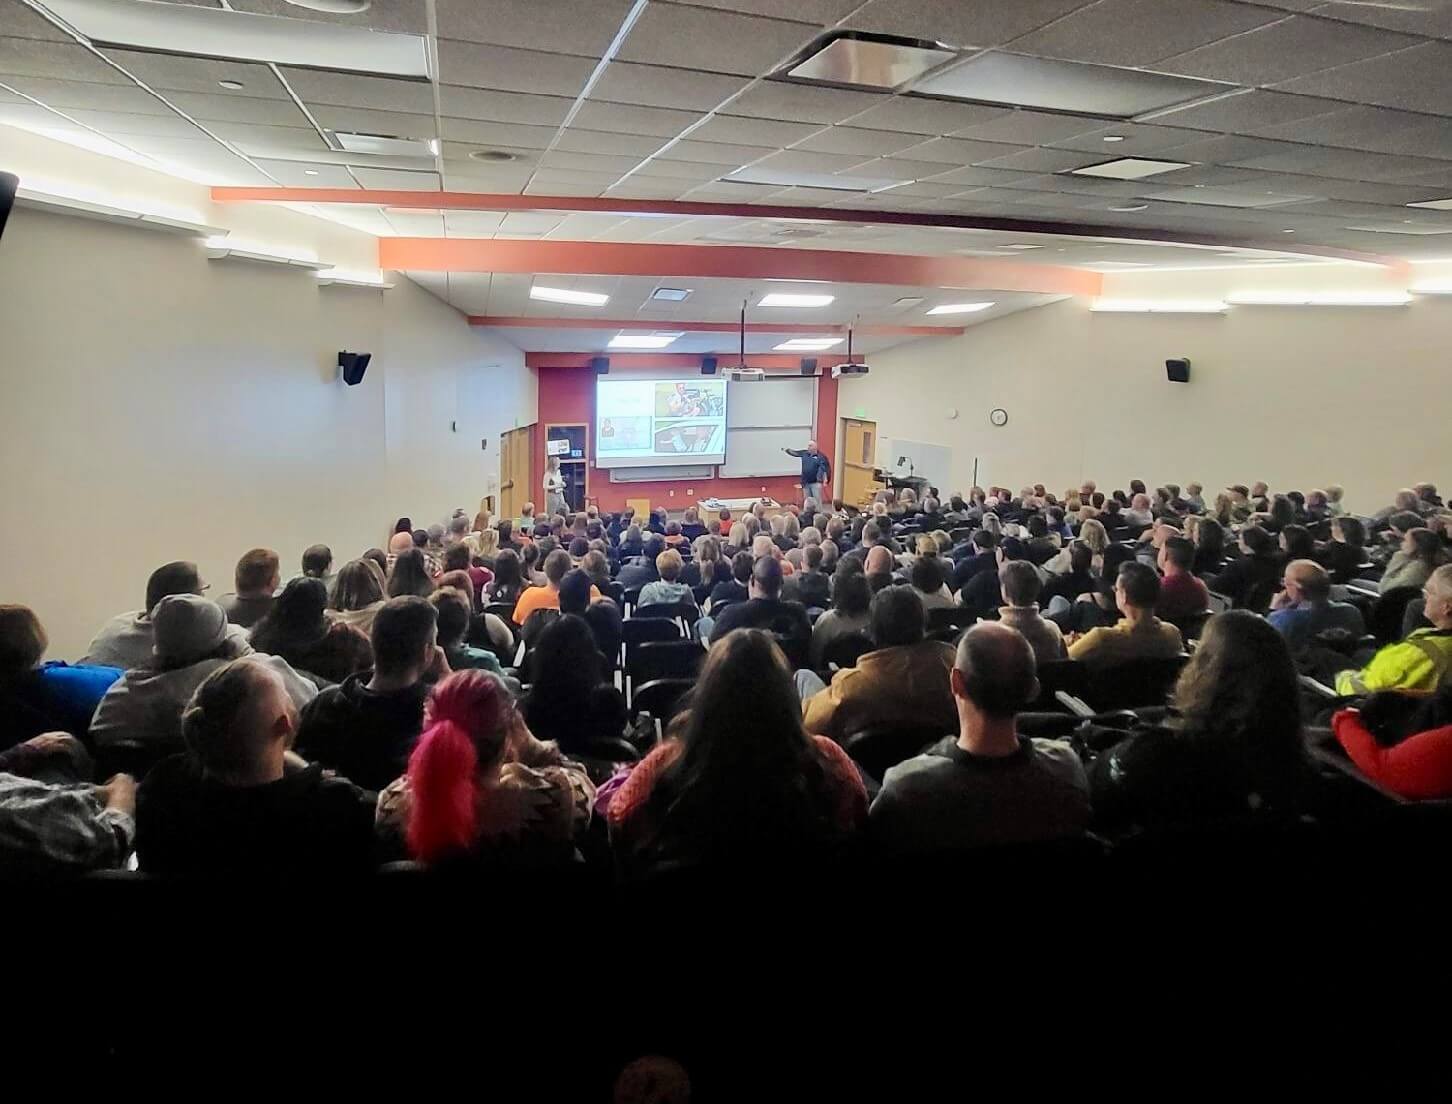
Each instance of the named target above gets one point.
<point>746,375</point>
<point>840,370</point>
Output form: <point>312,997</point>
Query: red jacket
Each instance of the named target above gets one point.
<point>1418,768</point>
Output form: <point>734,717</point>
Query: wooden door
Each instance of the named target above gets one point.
<point>516,451</point>
<point>859,457</point>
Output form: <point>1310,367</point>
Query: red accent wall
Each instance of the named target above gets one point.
<point>567,394</point>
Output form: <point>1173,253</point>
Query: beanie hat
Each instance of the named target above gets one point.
<point>187,628</point>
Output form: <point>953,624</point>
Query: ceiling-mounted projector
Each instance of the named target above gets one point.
<point>840,370</point>
<point>745,375</point>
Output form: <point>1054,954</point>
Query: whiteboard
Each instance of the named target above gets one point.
<point>771,403</point>
<point>751,452</point>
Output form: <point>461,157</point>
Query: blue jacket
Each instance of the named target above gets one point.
<point>816,468</point>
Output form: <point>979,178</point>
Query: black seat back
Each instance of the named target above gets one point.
<point>676,659</point>
<point>955,617</point>
<point>1133,684</point>
<point>661,698</point>
<point>875,750</point>
<point>1067,675</point>
<point>847,649</point>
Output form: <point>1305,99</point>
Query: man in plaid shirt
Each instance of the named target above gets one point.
<point>49,820</point>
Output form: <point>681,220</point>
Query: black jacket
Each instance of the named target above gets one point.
<point>637,573</point>
<point>810,588</point>
<point>1249,581</point>
<point>972,566</point>
<point>774,615</point>
<point>363,735</point>
<point>189,824</point>
<point>727,592</point>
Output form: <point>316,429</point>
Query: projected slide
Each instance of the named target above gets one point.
<point>643,422</point>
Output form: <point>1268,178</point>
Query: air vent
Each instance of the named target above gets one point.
<point>493,155</point>
<point>858,60</point>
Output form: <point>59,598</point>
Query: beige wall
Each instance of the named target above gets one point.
<point>158,406</point>
<point>1300,397</point>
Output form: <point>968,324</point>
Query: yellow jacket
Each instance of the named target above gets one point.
<point>1420,662</point>
<point>904,687</point>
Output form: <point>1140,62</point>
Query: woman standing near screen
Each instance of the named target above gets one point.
<point>554,487</point>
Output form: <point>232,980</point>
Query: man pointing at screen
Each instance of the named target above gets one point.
<point>816,471</point>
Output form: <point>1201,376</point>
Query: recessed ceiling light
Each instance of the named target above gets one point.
<point>657,340</point>
<point>1287,231</point>
<point>671,295</point>
<point>310,172</point>
<point>908,301</point>
<point>1114,137</point>
<point>569,295</point>
<point>960,308</point>
<point>492,155</point>
<point>231,85</point>
<point>786,299</point>
<point>1132,207</point>
<point>868,60</point>
<point>385,145</point>
<point>1129,168</point>
<point>808,344</point>
<point>1025,247</point>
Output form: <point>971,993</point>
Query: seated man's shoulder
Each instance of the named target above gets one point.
<point>1059,758</point>
<point>924,771</point>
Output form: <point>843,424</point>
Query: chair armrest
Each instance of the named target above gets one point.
<point>1364,590</point>
<point>1320,689</point>
<point>1077,706</point>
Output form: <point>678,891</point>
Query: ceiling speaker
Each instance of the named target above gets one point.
<point>1177,369</point>
<point>809,366</point>
<point>708,366</point>
<point>601,365</point>
<point>353,366</point>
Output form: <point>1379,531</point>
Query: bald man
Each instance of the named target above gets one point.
<point>987,785</point>
<point>1304,607</point>
<point>816,472</point>
<point>877,566</point>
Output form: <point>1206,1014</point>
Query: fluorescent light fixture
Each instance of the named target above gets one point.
<point>1114,138</point>
<point>960,308</point>
<point>103,208</point>
<point>243,36</point>
<point>231,85</point>
<point>787,179</point>
<point>1158,306</point>
<point>1129,168</point>
<point>1319,298</point>
<point>1433,287</point>
<point>656,340</point>
<point>869,61</point>
<point>671,295</point>
<point>569,295</point>
<point>1016,80</point>
<point>808,344</point>
<point>228,248</point>
<point>1434,204</point>
<point>342,277</point>
<point>383,145</point>
<point>908,301</point>
<point>1128,208</point>
<point>788,299</point>
<point>1227,197</point>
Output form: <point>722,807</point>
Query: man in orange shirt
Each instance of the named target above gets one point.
<point>547,596</point>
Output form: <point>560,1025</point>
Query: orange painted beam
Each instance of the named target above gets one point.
<point>767,361</point>
<point>728,262</point>
<point>503,201</point>
<point>708,327</point>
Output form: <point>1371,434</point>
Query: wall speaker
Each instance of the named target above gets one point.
<point>809,366</point>
<point>708,366</point>
<point>600,364</point>
<point>1177,369</point>
<point>353,366</point>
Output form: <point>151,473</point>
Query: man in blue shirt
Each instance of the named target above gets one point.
<point>816,471</point>
<point>1304,608</point>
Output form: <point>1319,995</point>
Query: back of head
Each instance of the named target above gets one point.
<point>1020,583</point>
<point>1180,551</point>
<point>984,539</point>
<point>851,592</point>
<point>410,576</point>
<point>1313,579</point>
<point>761,546</point>
<point>871,533</point>
<point>878,561</point>
<point>457,557</point>
<point>654,546</point>
<point>1426,545</point>
<point>1405,521</point>
<point>766,573</point>
<point>741,567</point>
<point>1353,532</point>
<point>1081,557</point>
<point>420,538</point>
<point>400,543</point>
<point>1257,540</point>
<point>1093,533</point>
<point>458,527</point>
<point>227,724</point>
<point>1241,684</point>
<point>296,616</point>
<point>668,565</point>
<point>578,548</point>
<point>22,640</point>
<point>466,724</point>
<point>452,609</point>
<point>1038,526</point>
<point>555,566</point>
<point>188,629</point>
<point>1140,584</point>
<point>575,591</point>
<point>898,617</point>
<point>927,574</point>
<point>403,634</point>
<point>996,670</point>
<point>177,577</point>
<point>566,664</point>
<point>812,557</point>
<point>316,559</point>
<point>1282,511</point>
<point>358,585</point>
<point>596,565</point>
<point>1298,542</point>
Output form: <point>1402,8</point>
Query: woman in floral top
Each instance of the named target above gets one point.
<point>480,786</point>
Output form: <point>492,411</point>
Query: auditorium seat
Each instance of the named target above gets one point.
<point>1133,683</point>
<point>955,617</point>
<point>661,698</point>
<point>877,749</point>
<point>659,659</point>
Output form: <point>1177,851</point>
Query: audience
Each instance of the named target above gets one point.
<point>1420,662</point>
<point>735,589</point>
<point>546,597</point>
<point>570,701</point>
<point>451,608</point>
<point>1140,634</point>
<point>52,820</point>
<point>1250,581</point>
<point>317,563</point>
<point>298,630</point>
<point>849,615</point>
<point>37,698</point>
<point>257,579</point>
<point>1413,562</point>
<point>357,594</point>
<point>1181,593</point>
<point>763,609</point>
<point>986,784</point>
<point>127,640</point>
<point>1021,585</point>
<point>667,590</point>
<point>508,582</point>
<point>237,802</point>
<point>1304,608</point>
<point>1344,554</point>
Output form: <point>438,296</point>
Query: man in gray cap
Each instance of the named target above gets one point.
<point>192,641</point>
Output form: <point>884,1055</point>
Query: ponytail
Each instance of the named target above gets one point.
<point>441,776</point>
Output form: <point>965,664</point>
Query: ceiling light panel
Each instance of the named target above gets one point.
<point>1129,168</point>
<point>242,36</point>
<point>671,295</point>
<point>885,63</point>
<point>783,178</point>
<point>787,299</point>
<point>1018,81</point>
<point>1227,197</point>
<point>656,340</point>
<point>959,308</point>
<point>1434,204</point>
<point>568,295</point>
<point>386,146</point>
<point>808,344</point>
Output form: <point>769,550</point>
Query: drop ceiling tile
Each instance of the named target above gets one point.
<point>919,115</point>
<point>1414,79</point>
<point>350,90</point>
<point>1221,149</point>
<point>97,97</point>
<point>807,161</point>
<point>497,134</point>
<point>300,174</point>
<point>961,22</point>
<point>1425,18</point>
<point>805,11</point>
<point>464,224</point>
<point>398,16</point>
<point>801,103</point>
<point>170,73</point>
<point>1378,129</point>
<point>1343,164</point>
<point>713,41</point>
<point>114,123</point>
<point>649,187</point>
<point>957,151</point>
<point>717,153</point>
<point>659,86</point>
<point>239,109</point>
<point>19,21</point>
<point>584,29</point>
<point>362,120</point>
<point>577,140</point>
<point>477,66</point>
<point>1139,140</point>
<point>725,191</point>
<point>1028,128</point>
<point>897,168</point>
<point>33,57</point>
<point>971,176</point>
<point>396,179</point>
<point>473,176</point>
<point>502,107</point>
<point>1281,51</point>
<point>858,140</point>
<point>588,162</point>
<point>632,119</point>
<point>570,183</point>
<point>752,132</point>
<point>1394,195</point>
<point>268,137</point>
<point>682,170</point>
<point>1043,160</point>
<point>29,116</point>
<point>927,189</point>
<point>1254,113</point>
<point>459,152</point>
<point>802,197</point>
<point>1138,32</point>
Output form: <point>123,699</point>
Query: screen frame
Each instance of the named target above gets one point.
<point>712,459</point>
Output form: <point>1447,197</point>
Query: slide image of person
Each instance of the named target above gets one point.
<point>624,434</point>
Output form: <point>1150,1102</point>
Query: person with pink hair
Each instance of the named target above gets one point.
<point>480,787</point>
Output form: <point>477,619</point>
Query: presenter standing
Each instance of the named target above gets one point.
<point>816,472</point>
<point>554,488</point>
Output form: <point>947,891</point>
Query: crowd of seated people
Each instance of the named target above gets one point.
<point>465,697</point>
